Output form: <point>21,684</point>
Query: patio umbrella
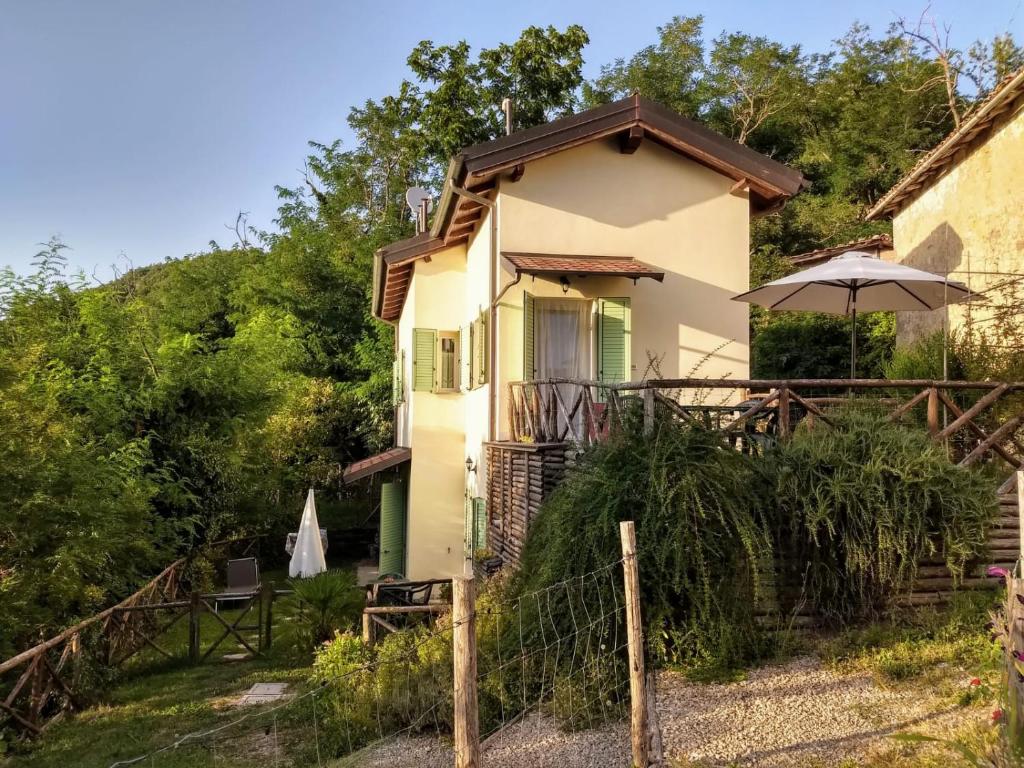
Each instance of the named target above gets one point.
<point>308,555</point>
<point>857,281</point>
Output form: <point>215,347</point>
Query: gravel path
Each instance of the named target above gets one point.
<point>796,714</point>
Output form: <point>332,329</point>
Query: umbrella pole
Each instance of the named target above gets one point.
<point>853,339</point>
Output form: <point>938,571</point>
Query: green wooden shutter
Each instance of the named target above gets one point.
<point>529,324</point>
<point>392,528</point>
<point>424,343</point>
<point>479,523</point>
<point>465,356</point>
<point>481,348</point>
<point>613,331</point>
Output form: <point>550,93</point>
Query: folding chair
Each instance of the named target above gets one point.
<point>243,581</point>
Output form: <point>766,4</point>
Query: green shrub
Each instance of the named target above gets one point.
<point>405,681</point>
<point>858,506</point>
<point>325,603</point>
<point>701,534</point>
<point>807,345</point>
<point>924,359</point>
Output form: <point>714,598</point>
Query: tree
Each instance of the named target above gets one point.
<point>754,83</point>
<point>670,71</point>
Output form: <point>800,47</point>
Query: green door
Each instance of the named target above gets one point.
<point>392,528</point>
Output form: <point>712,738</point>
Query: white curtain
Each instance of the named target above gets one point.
<point>562,348</point>
<point>560,344</point>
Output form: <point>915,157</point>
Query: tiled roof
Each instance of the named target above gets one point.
<point>557,265</point>
<point>630,121</point>
<point>386,460</point>
<point>946,155</point>
<point>881,242</point>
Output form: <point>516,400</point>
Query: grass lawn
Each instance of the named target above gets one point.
<point>155,701</point>
<point>158,701</point>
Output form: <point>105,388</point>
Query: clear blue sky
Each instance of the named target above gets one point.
<point>142,127</point>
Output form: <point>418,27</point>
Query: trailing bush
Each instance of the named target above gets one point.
<point>327,602</point>
<point>859,505</point>
<point>701,536</point>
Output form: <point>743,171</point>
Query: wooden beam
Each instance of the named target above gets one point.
<point>743,185</point>
<point>968,415</point>
<point>630,141</point>
<point>13,713</point>
<point>639,723</point>
<point>999,435</point>
<point>386,609</point>
<point>466,715</point>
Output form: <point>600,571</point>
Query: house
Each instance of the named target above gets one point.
<point>879,246</point>
<point>602,246</point>
<point>960,211</point>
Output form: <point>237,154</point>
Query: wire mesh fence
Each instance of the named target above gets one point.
<point>553,660</point>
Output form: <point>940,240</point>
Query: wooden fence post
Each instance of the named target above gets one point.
<point>643,717</point>
<point>648,410</point>
<point>933,411</point>
<point>783,411</point>
<point>1020,509</point>
<point>367,629</point>
<point>467,716</point>
<point>268,616</point>
<point>193,627</point>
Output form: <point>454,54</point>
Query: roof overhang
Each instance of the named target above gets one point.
<point>1006,98</point>
<point>478,169</point>
<point>371,466</point>
<point>874,243</point>
<point>564,265</point>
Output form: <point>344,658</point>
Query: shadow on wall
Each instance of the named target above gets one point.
<point>630,205</point>
<point>940,252</point>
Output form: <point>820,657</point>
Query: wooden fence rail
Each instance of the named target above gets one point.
<point>978,420</point>
<point>40,683</point>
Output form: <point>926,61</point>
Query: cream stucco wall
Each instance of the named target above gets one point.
<point>969,222</point>
<point>434,426</point>
<point>653,205</point>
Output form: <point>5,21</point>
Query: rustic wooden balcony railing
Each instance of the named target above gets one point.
<point>978,420</point>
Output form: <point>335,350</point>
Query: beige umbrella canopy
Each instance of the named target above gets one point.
<point>857,281</point>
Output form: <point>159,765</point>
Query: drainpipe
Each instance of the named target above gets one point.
<point>492,313</point>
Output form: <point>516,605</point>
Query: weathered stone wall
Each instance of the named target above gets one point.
<point>970,224</point>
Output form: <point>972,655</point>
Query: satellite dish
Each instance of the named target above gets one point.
<point>416,195</point>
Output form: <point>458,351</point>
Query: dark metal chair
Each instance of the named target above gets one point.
<point>243,580</point>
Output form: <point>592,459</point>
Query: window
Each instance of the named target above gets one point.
<point>448,361</point>
<point>435,361</point>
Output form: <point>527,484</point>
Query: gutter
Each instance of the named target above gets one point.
<point>451,190</point>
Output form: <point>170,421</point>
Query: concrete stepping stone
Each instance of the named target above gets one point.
<point>263,693</point>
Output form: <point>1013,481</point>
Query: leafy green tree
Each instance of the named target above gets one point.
<point>670,71</point>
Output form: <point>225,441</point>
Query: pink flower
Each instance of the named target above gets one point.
<point>995,571</point>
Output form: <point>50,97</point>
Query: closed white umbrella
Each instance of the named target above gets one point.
<point>308,555</point>
<point>857,280</point>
